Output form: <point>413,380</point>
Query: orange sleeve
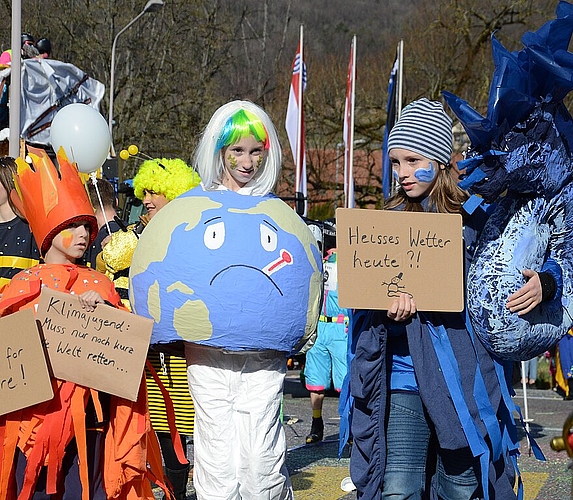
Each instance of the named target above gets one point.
<point>18,293</point>
<point>90,279</point>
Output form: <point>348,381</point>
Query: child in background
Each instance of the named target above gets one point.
<point>18,248</point>
<point>157,182</point>
<point>104,200</point>
<point>326,359</point>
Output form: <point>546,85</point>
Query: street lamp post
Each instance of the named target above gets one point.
<point>16,85</point>
<point>150,6</point>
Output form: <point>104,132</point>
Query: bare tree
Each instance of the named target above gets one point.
<point>176,66</point>
<point>452,51</point>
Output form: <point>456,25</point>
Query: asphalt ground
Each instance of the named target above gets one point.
<point>316,471</point>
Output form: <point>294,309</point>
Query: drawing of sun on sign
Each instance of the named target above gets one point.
<point>394,288</point>
<point>382,253</point>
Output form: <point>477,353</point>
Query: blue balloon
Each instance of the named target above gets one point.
<point>227,270</point>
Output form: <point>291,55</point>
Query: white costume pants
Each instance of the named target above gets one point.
<point>239,440</point>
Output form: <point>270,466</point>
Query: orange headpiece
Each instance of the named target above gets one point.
<point>49,200</point>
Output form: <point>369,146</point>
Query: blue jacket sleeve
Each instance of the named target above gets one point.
<point>553,269</point>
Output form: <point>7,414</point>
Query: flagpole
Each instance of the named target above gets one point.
<point>298,177</point>
<point>349,191</point>
<point>397,103</point>
<point>294,125</point>
<point>16,83</point>
<point>400,76</point>
<point>394,184</point>
<point>351,156</point>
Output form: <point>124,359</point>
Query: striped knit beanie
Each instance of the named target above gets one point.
<point>424,128</point>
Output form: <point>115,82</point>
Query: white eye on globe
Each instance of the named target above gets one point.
<point>214,235</point>
<point>268,238</point>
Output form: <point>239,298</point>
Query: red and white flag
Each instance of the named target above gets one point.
<point>294,125</point>
<point>349,129</point>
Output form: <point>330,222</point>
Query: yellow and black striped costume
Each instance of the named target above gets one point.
<point>18,250</point>
<point>172,371</point>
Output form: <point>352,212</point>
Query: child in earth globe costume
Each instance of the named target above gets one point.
<point>247,297</point>
<point>239,151</point>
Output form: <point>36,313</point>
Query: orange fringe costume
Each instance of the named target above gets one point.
<point>42,432</point>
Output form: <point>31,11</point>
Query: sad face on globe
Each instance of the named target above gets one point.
<point>228,270</point>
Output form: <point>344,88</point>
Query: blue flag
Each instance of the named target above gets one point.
<point>391,117</point>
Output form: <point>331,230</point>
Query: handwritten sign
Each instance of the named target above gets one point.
<point>104,349</point>
<point>382,253</point>
<point>24,376</point>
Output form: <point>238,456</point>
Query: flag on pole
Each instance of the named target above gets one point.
<point>393,109</point>
<point>294,125</point>
<point>390,120</point>
<point>349,129</point>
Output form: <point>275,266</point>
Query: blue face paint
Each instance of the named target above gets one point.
<point>426,174</point>
<point>395,174</point>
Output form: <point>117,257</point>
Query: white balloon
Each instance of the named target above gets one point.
<point>83,133</point>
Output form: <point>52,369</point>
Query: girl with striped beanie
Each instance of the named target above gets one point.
<point>431,405</point>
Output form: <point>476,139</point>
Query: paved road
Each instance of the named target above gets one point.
<point>316,470</point>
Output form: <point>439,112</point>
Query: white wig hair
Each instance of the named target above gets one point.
<point>209,162</point>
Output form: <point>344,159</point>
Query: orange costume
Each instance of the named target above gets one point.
<point>104,436</point>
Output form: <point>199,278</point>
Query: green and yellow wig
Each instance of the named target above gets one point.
<point>242,124</point>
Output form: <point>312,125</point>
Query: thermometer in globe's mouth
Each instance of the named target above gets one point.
<point>285,259</point>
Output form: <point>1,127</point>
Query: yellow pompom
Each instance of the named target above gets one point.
<point>119,250</point>
<point>124,154</point>
<point>133,150</point>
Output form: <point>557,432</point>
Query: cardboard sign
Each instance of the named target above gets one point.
<point>383,252</point>
<point>104,349</point>
<point>24,376</point>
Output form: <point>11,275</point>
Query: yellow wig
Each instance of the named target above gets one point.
<point>169,177</point>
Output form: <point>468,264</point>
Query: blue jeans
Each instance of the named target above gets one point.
<point>408,440</point>
<point>530,371</point>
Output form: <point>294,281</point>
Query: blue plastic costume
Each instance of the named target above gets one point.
<point>524,145</point>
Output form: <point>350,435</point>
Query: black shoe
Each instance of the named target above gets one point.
<point>178,479</point>
<point>316,431</point>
